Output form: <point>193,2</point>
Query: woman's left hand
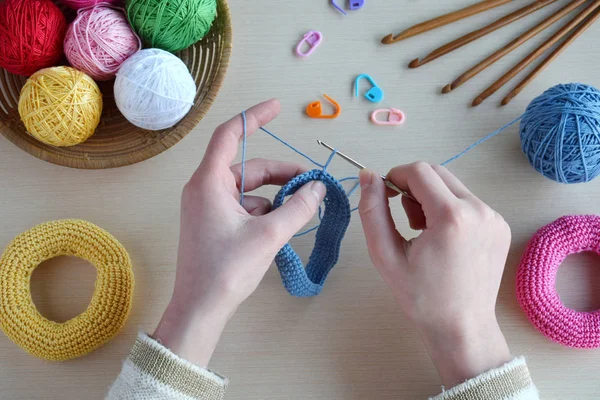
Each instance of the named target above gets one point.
<point>225,248</point>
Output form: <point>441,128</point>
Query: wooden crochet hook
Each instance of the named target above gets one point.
<point>444,20</point>
<point>358,165</point>
<point>479,33</point>
<point>551,57</point>
<point>513,45</point>
<point>537,53</point>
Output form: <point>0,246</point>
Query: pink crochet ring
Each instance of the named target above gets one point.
<point>536,281</point>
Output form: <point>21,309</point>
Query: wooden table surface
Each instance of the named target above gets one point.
<point>351,342</point>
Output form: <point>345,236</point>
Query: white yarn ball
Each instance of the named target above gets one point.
<point>154,89</point>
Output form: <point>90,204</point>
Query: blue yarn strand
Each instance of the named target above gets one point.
<point>329,160</point>
<point>356,186</point>
<point>291,147</point>
<point>306,232</point>
<point>477,143</point>
<point>244,140</point>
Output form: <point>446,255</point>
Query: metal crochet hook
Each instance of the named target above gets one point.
<point>360,166</point>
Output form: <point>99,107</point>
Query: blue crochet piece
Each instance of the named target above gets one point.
<point>306,282</point>
<point>300,281</point>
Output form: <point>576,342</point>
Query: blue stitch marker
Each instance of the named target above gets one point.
<point>375,94</point>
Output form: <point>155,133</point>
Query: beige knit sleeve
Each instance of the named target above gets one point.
<point>152,372</point>
<point>512,381</point>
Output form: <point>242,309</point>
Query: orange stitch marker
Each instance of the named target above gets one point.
<point>315,109</point>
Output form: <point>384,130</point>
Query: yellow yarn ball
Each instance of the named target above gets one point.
<point>60,106</point>
<point>108,309</point>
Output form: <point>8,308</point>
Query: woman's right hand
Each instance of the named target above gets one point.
<point>447,279</point>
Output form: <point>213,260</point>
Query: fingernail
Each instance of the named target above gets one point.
<point>366,177</point>
<point>318,189</point>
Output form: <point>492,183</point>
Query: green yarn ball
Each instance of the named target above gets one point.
<point>171,25</point>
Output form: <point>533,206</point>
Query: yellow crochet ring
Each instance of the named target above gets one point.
<point>108,309</point>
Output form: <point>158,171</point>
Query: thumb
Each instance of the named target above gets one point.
<point>288,219</point>
<point>383,240</point>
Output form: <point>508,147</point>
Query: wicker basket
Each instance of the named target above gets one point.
<point>116,142</point>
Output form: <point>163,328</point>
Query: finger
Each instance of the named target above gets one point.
<point>425,184</point>
<point>223,146</point>
<point>288,219</point>
<point>414,212</point>
<point>454,184</point>
<point>256,205</point>
<point>383,240</point>
<point>259,172</point>
<point>391,193</point>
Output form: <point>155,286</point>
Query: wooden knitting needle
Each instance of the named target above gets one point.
<point>361,167</point>
<point>537,53</point>
<point>444,20</point>
<point>512,45</point>
<point>470,37</point>
<point>582,28</point>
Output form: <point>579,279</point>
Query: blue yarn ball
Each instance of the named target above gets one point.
<point>560,133</point>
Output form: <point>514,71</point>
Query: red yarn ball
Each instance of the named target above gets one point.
<point>31,35</point>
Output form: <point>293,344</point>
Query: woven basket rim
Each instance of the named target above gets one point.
<point>181,130</point>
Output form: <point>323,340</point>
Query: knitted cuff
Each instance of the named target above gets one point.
<point>512,381</point>
<point>166,369</point>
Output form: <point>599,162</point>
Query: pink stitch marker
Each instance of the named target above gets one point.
<point>313,39</point>
<point>395,117</point>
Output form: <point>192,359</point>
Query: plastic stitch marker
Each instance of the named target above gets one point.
<point>395,116</point>
<point>375,94</point>
<point>313,39</point>
<point>315,109</point>
<point>356,4</point>
<point>340,9</point>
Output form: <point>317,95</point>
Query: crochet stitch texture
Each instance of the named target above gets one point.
<point>108,309</point>
<point>536,281</point>
<point>306,282</point>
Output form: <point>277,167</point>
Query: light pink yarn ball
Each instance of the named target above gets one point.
<point>77,4</point>
<point>99,41</point>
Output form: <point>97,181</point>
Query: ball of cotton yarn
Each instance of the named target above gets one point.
<point>171,25</point>
<point>154,89</point>
<point>560,133</point>
<point>60,106</point>
<point>78,4</point>
<point>31,35</point>
<point>99,40</point>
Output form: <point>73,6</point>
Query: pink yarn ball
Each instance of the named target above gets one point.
<point>77,4</point>
<point>99,41</point>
